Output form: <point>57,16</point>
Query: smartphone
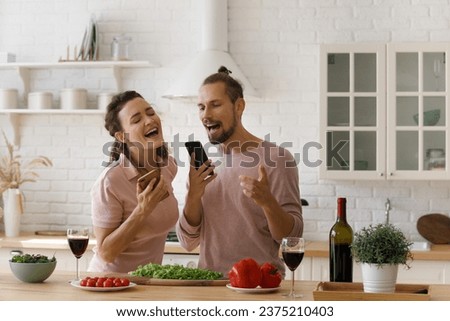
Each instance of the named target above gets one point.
<point>145,179</point>
<point>200,156</point>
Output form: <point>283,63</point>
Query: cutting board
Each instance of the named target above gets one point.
<point>435,228</point>
<point>51,233</point>
<point>142,280</point>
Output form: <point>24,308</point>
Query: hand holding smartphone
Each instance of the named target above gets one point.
<point>145,179</point>
<point>197,149</point>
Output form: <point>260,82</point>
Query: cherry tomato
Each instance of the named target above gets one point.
<point>117,282</point>
<point>125,282</point>
<point>83,282</point>
<point>108,283</point>
<point>101,279</point>
<point>91,283</point>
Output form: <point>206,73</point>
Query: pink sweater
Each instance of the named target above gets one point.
<point>113,200</point>
<point>233,226</point>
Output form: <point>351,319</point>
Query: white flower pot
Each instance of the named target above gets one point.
<point>12,211</point>
<point>378,279</point>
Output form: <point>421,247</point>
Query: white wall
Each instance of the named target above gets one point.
<point>276,43</point>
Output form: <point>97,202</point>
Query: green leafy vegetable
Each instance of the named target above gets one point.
<point>175,272</point>
<point>32,258</point>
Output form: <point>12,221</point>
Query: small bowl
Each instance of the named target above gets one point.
<point>32,272</point>
<point>430,118</point>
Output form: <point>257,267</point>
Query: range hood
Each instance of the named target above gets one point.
<point>213,54</point>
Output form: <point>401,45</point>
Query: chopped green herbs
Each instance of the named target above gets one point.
<point>175,272</point>
<point>32,258</point>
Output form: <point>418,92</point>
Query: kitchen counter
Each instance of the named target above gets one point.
<point>438,252</point>
<point>57,288</point>
<point>29,241</point>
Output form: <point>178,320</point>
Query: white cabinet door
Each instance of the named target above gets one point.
<point>421,272</point>
<point>187,260</point>
<point>353,110</point>
<point>417,114</point>
<point>384,111</point>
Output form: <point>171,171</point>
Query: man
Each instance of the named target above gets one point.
<point>247,205</point>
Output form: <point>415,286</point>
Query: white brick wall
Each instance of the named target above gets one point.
<point>275,42</point>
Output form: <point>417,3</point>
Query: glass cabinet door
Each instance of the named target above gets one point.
<point>417,136</point>
<point>352,111</point>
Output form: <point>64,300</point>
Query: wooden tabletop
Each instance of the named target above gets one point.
<point>58,288</point>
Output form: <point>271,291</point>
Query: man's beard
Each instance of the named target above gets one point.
<point>225,136</point>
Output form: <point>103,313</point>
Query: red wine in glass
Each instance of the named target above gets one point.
<point>293,259</point>
<point>78,240</point>
<point>78,246</point>
<point>293,250</point>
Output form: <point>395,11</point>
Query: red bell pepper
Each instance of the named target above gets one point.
<point>270,276</point>
<point>245,274</point>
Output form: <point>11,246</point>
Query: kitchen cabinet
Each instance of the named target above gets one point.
<point>58,246</point>
<point>421,272</point>
<point>427,267</point>
<point>65,258</point>
<point>187,260</point>
<point>384,111</point>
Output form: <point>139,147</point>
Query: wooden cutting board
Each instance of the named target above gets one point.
<point>151,281</point>
<point>51,233</point>
<point>435,228</point>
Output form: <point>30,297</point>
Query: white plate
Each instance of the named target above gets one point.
<point>99,289</point>
<point>253,290</point>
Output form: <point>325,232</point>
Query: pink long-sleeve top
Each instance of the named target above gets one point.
<point>233,226</point>
<point>114,199</point>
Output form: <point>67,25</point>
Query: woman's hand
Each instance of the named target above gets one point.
<point>149,198</point>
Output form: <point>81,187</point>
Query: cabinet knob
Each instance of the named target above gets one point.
<point>191,264</point>
<point>381,174</point>
<point>391,174</point>
<point>16,252</point>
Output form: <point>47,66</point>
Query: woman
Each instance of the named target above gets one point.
<point>131,221</point>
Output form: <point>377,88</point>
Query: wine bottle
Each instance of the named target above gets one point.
<point>340,240</point>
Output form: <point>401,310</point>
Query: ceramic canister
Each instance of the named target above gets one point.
<point>103,100</point>
<point>9,98</point>
<point>73,98</point>
<point>40,100</point>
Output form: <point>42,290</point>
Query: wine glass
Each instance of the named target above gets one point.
<point>78,241</point>
<point>292,249</point>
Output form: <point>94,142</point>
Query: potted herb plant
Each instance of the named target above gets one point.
<point>13,173</point>
<point>380,249</point>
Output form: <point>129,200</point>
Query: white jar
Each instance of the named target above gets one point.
<point>40,100</point>
<point>73,98</point>
<point>103,100</point>
<point>9,98</point>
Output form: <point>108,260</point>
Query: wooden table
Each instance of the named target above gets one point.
<point>57,288</point>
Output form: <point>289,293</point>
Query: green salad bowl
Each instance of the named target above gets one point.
<point>32,272</point>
